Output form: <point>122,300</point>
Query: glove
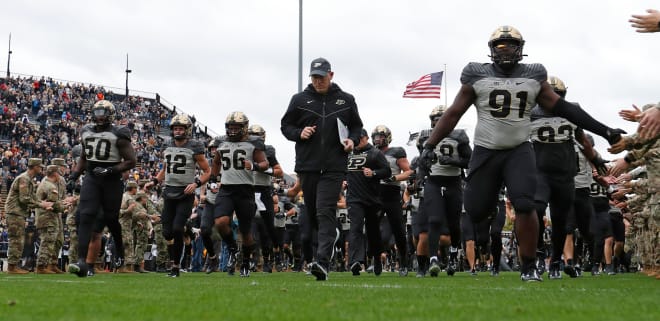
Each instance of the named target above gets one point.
<point>103,171</point>
<point>427,158</point>
<point>390,179</point>
<point>446,160</point>
<point>614,135</point>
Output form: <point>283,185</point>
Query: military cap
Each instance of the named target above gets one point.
<point>35,162</point>
<point>58,162</point>
<point>140,195</point>
<point>131,184</point>
<point>50,169</point>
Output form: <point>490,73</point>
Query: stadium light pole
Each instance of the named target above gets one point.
<point>9,55</point>
<point>128,71</point>
<point>300,44</point>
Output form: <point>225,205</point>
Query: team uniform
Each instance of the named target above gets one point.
<point>100,196</point>
<point>440,213</point>
<point>180,171</point>
<point>364,204</point>
<point>582,210</point>
<point>601,226</point>
<point>390,196</point>
<point>236,192</point>
<point>263,188</point>
<point>553,139</point>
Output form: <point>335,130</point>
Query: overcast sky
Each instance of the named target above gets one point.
<point>213,57</point>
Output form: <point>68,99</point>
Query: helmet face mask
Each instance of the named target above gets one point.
<point>181,120</point>
<point>381,136</point>
<point>236,126</point>
<point>506,46</point>
<point>103,113</point>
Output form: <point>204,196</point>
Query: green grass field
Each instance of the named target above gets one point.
<point>296,296</point>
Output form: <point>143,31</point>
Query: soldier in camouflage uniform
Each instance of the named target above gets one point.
<point>141,228</point>
<point>126,212</point>
<point>153,210</point>
<point>49,222</point>
<point>61,187</point>
<point>647,222</point>
<point>20,201</point>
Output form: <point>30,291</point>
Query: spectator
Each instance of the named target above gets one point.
<point>646,23</point>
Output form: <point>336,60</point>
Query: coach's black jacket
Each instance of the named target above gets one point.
<point>322,151</point>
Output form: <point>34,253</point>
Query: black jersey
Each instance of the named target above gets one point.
<point>364,189</point>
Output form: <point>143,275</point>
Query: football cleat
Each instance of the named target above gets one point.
<point>495,271</point>
<point>554,273</point>
<point>267,268</point>
<point>434,268</point>
<point>532,275</point>
<point>473,272</point>
<point>245,270</point>
<point>378,266</point>
<point>174,273</point>
<point>356,268</point>
<point>609,269</point>
<point>118,262</point>
<point>231,261</point>
<point>79,269</point>
<point>540,266</point>
<point>451,267</point>
<point>213,264</point>
<point>403,271</point>
<point>571,270</point>
<point>319,272</point>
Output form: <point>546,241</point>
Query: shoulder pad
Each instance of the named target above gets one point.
<point>460,136</point>
<point>397,152</point>
<point>535,71</point>
<point>473,72</point>
<point>257,142</point>
<point>122,132</point>
<point>196,146</point>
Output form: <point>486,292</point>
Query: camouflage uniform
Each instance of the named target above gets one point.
<point>20,200</point>
<point>49,222</point>
<point>73,232</point>
<point>648,221</point>
<point>126,221</point>
<point>161,243</point>
<point>141,228</point>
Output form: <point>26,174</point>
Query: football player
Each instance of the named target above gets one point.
<point>107,152</point>
<point>263,187</point>
<point>443,195</point>
<point>235,159</point>
<point>504,92</point>
<point>366,167</point>
<point>553,140</point>
<point>390,190</point>
<point>182,156</point>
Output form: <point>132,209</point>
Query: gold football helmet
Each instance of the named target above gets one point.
<point>257,130</point>
<point>181,120</point>
<point>502,37</point>
<point>233,132</point>
<point>557,85</point>
<point>381,136</point>
<point>437,112</point>
<point>103,113</point>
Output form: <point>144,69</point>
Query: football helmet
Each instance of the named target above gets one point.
<point>236,126</point>
<point>103,113</point>
<point>437,112</point>
<point>499,39</point>
<point>381,136</point>
<point>557,85</point>
<point>215,142</point>
<point>181,120</point>
<point>257,130</point>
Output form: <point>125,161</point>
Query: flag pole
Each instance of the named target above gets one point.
<point>446,85</point>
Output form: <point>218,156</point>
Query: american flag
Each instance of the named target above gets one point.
<point>426,87</point>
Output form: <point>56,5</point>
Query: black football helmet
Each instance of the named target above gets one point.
<point>501,38</point>
<point>103,113</point>
<point>381,136</point>
<point>236,126</point>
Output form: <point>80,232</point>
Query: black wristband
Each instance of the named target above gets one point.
<point>198,182</point>
<point>628,159</point>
